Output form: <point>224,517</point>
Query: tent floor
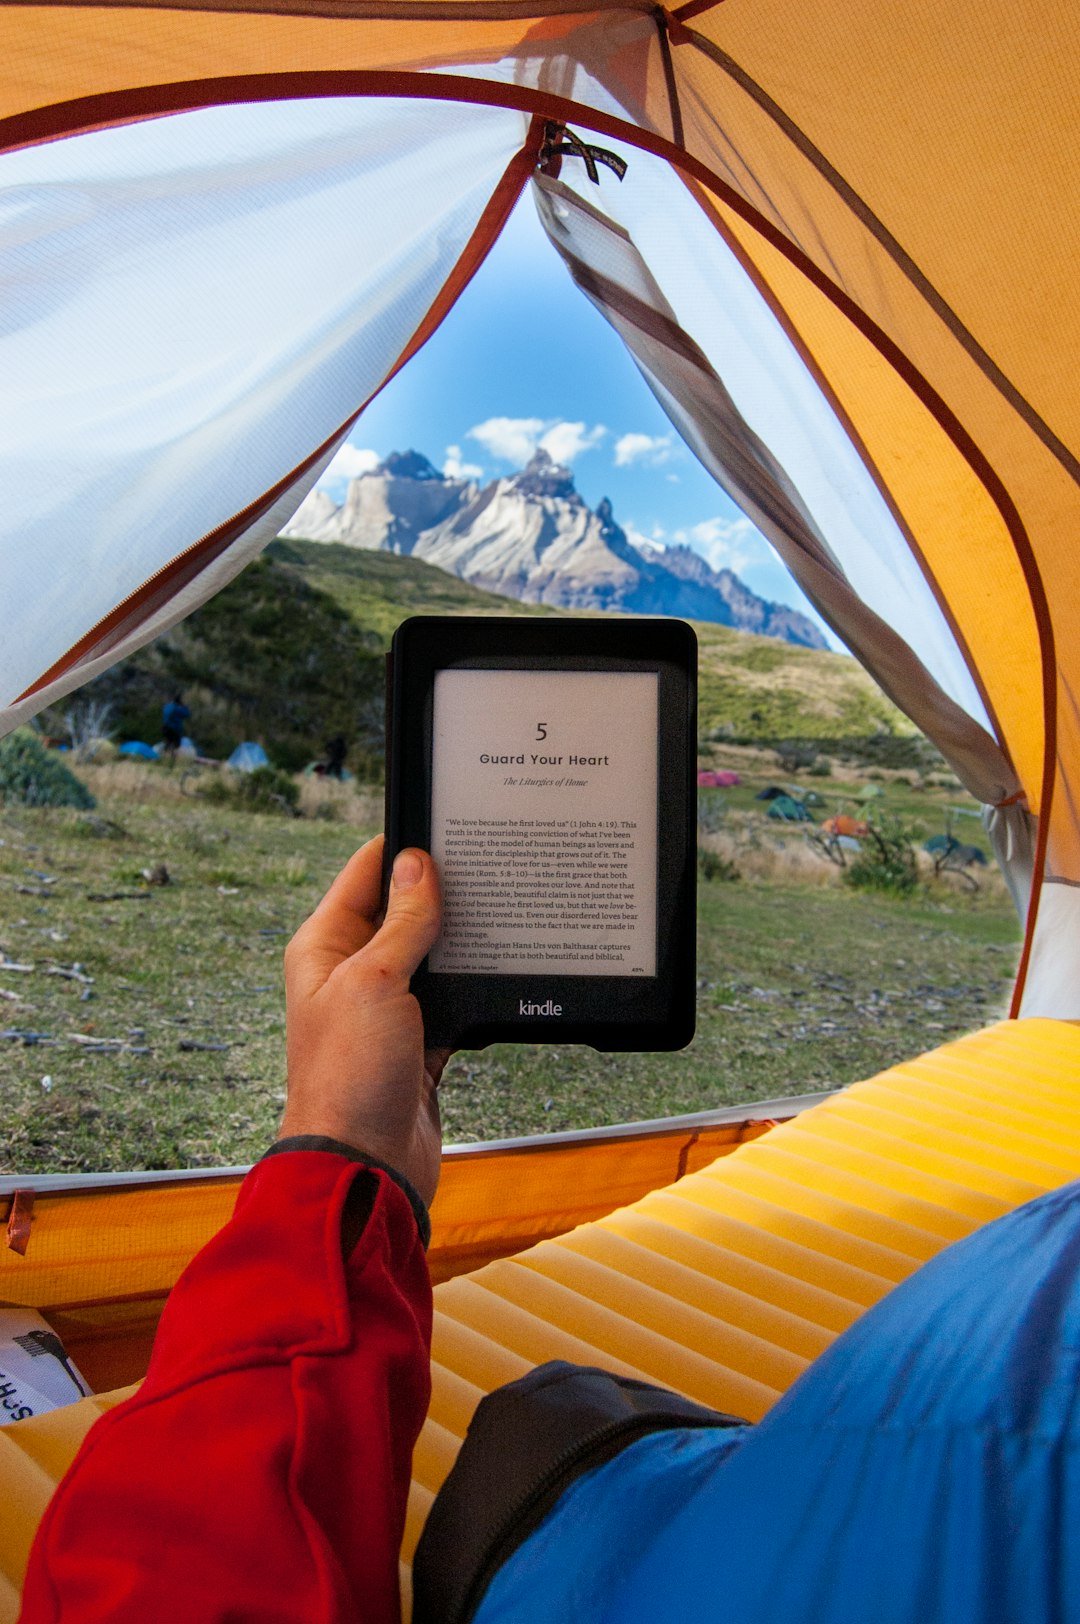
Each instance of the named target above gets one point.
<point>727,1284</point>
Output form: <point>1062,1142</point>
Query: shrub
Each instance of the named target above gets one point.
<point>34,776</point>
<point>887,862</point>
<point>271,656</point>
<point>711,866</point>
<point>98,828</point>
<point>267,789</point>
<point>821,768</point>
<point>793,755</point>
<point>711,811</point>
<point>87,724</point>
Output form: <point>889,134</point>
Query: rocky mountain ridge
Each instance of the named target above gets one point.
<point>533,537</point>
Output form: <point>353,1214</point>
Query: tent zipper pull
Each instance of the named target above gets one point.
<point>560,142</point>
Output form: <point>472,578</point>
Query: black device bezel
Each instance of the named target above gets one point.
<point>618,1013</point>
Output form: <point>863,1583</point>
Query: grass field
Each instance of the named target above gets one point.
<point>143,1023</point>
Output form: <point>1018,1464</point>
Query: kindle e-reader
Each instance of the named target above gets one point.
<point>548,765</point>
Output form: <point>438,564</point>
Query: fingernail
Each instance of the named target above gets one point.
<point>408,869</point>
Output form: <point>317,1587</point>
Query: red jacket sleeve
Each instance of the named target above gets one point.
<point>261,1471</point>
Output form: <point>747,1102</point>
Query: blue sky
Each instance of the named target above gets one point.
<point>524,359</point>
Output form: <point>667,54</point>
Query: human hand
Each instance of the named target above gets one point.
<point>357,1067</point>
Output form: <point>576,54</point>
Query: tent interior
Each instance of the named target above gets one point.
<point>841,255</point>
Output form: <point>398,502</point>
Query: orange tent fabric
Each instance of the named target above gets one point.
<point>844,824</point>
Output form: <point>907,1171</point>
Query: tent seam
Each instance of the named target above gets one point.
<point>372,10</point>
<point>809,360</point>
<point>694,8</point>
<point>675,111</point>
<point>894,248</point>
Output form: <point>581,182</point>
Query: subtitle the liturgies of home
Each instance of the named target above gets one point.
<point>551,869</point>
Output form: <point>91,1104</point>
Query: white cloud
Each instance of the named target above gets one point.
<point>565,441</point>
<point>733,544</point>
<point>511,439</point>
<point>454,468</point>
<point>720,532</point>
<point>515,439</point>
<point>349,463</point>
<point>652,449</point>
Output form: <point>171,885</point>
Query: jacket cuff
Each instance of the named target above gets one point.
<point>315,1141</point>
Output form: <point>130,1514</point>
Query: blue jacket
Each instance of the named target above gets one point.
<point>924,1470</point>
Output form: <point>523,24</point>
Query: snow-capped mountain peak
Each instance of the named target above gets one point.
<point>533,537</point>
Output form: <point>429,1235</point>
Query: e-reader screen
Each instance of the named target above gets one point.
<point>544,821</point>
<point>548,765</point>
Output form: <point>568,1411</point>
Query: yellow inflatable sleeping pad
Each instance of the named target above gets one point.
<point>726,1284</point>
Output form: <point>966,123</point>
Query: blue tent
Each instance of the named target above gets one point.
<point>247,756</point>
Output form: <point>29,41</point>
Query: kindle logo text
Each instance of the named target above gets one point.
<point>546,1008</point>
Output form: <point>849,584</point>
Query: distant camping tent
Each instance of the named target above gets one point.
<point>952,853</point>
<point>247,756</point>
<point>844,824</point>
<point>710,779</point>
<point>832,254</point>
<point>789,810</point>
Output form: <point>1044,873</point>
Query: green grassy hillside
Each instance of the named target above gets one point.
<point>290,653</point>
<point>378,590</point>
<point>755,688</point>
<point>758,689</point>
<point>270,658</point>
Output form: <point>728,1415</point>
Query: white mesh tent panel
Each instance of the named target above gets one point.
<point>193,307</point>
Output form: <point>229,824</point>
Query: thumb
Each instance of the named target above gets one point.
<point>413,917</point>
